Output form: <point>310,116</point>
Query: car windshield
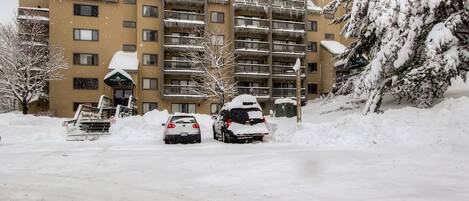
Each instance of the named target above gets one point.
<point>183,119</point>
<point>250,115</point>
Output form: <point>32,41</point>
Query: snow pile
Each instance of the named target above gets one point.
<point>124,60</point>
<point>333,46</point>
<point>18,128</point>
<point>243,101</point>
<point>285,100</point>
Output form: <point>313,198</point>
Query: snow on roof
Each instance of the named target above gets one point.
<point>297,65</point>
<point>285,100</point>
<point>313,7</point>
<point>242,101</point>
<point>340,62</point>
<point>333,46</point>
<point>121,71</point>
<point>124,60</point>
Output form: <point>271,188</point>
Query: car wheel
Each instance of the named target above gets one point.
<point>166,141</point>
<point>260,138</point>
<point>226,137</point>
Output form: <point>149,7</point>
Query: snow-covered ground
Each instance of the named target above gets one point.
<point>336,154</point>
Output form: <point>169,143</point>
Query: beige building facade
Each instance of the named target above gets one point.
<point>109,42</point>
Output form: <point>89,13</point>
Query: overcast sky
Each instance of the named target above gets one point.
<point>8,8</point>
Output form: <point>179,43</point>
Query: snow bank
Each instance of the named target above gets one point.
<point>18,128</point>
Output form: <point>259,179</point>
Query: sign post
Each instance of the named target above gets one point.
<point>297,68</point>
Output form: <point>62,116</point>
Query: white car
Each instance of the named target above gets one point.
<point>240,119</point>
<point>181,128</point>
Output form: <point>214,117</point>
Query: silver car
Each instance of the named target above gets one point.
<point>181,128</point>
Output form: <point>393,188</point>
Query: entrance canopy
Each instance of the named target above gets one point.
<point>117,78</point>
<point>120,63</point>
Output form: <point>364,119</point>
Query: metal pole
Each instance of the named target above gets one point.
<point>298,96</point>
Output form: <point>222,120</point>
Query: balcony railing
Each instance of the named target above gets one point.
<point>289,48</point>
<point>182,40</point>
<point>194,2</point>
<point>252,2</point>
<point>181,65</point>
<point>30,13</point>
<point>280,25</point>
<point>286,92</point>
<point>289,4</point>
<point>251,22</point>
<point>254,91</point>
<point>184,17</point>
<point>285,70</point>
<point>181,90</point>
<point>251,45</point>
<point>252,68</point>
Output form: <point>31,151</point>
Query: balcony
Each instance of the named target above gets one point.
<point>251,25</point>
<point>186,2</point>
<point>288,28</point>
<point>287,92</point>
<point>258,92</point>
<point>252,47</point>
<point>282,71</point>
<point>32,13</point>
<point>183,19</point>
<point>288,49</point>
<point>181,42</point>
<point>252,70</point>
<point>182,92</point>
<point>179,67</point>
<point>288,7</point>
<point>252,5</point>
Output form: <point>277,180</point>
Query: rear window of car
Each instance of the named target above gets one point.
<point>183,119</point>
<point>245,115</point>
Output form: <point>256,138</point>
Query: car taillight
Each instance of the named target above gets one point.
<point>196,125</point>
<point>263,120</point>
<point>228,122</point>
<point>171,125</point>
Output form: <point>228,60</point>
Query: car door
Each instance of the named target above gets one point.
<point>219,121</point>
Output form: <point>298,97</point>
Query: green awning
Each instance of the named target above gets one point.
<point>118,77</point>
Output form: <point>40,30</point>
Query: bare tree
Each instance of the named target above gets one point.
<point>216,61</point>
<point>27,61</point>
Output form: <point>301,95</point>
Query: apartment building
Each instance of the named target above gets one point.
<point>123,48</point>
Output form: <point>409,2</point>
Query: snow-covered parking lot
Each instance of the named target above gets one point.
<point>337,154</point>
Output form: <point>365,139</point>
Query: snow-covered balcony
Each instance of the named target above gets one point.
<point>286,71</point>
<point>181,42</point>
<point>249,47</point>
<point>252,70</point>
<point>252,5</point>
<point>288,7</point>
<point>182,92</point>
<point>287,92</point>
<point>288,28</point>
<point>288,49</point>
<point>251,24</point>
<point>183,19</point>
<point>258,92</point>
<point>178,67</point>
<point>32,13</point>
<point>186,2</point>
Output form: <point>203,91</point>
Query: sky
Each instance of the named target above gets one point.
<point>8,9</point>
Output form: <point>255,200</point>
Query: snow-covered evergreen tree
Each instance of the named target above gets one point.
<point>415,47</point>
<point>27,62</point>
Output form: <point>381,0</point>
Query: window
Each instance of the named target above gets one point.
<point>150,11</point>
<point>329,16</point>
<point>85,83</point>
<point>218,40</point>
<point>215,108</point>
<point>85,59</point>
<point>217,17</point>
<point>312,67</point>
<point>313,46</point>
<point>329,36</point>
<point>129,48</point>
<point>147,107</point>
<point>85,34</point>
<point>183,108</point>
<point>312,88</point>
<point>129,24</point>
<point>150,35</point>
<point>150,83</point>
<point>150,59</point>
<point>85,10</point>
<point>129,1</point>
<point>313,26</point>
<point>76,104</point>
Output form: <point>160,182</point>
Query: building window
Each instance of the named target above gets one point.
<point>129,24</point>
<point>218,40</point>
<point>329,36</point>
<point>312,67</point>
<point>329,16</point>
<point>76,104</point>
<point>217,17</point>
<point>129,48</point>
<point>150,59</point>
<point>150,11</point>
<point>215,108</point>
<point>85,10</point>
<point>85,59</point>
<point>150,83</point>
<point>150,35</point>
<point>147,107</point>
<point>313,26</point>
<point>85,83</point>
<point>129,1</point>
<point>86,34</point>
<point>312,46</point>
<point>183,108</point>
<point>312,88</point>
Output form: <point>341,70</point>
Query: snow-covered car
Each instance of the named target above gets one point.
<point>240,119</point>
<point>181,128</point>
